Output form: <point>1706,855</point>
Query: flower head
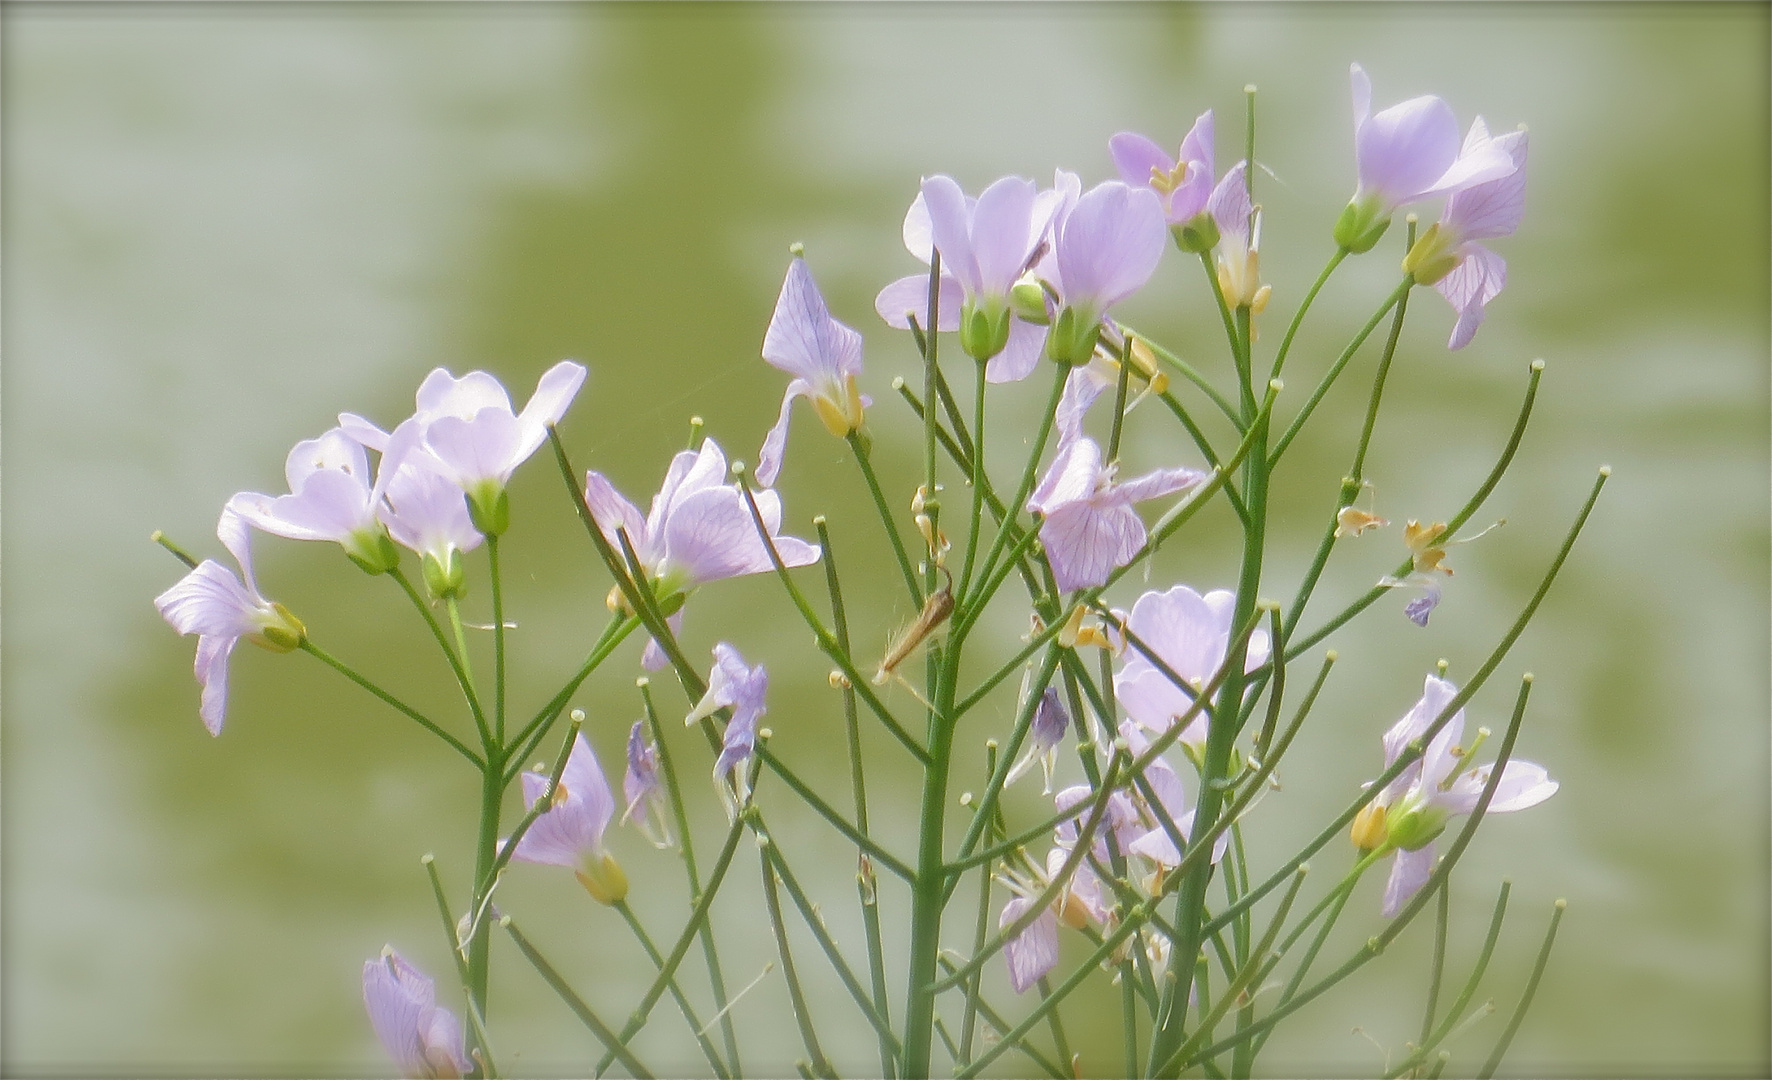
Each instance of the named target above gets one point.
<point>1107,247</point>
<point>988,243</point>
<point>1182,182</point>
<point>1442,784</point>
<point>1191,634</point>
<point>570,832</point>
<point>330,498</point>
<point>1089,527</point>
<point>732,684</point>
<point>699,528</point>
<point>425,512</point>
<point>221,609</point>
<point>1405,153</point>
<point>1033,952</point>
<point>823,356</point>
<point>1050,722</point>
<point>424,1039</point>
<point>641,786</point>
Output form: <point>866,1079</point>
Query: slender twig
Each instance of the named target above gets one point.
<point>344,669</point>
<point>617,1046</point>
<point>1513,1023</point>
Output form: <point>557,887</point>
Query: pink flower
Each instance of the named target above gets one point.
<point>641,786</point>
<point>424,1039</point>
<point>1107,247</point>
<point>1191,634</point>
<point>733,684</point>
<point>1183,183</point>
<point>823,356</point>
<point>330,498</point>
<point>570,832</point>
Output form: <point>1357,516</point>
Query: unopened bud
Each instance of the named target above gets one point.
<point>445,580</point>
<point>1028,301</point>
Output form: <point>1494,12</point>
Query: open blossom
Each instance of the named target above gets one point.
<point>1408,152</point>
<point>1238,222</point>
<point>1448,257</point>
<point>330,498</point>
<point>425,512</point>
<point>477,440</point>
<point>424,1039</point>
<point>1090,527</point>
<point>988,243</point>
<point>644,791</point>
<point>733,684</point>
<point>1106,247</point>
<point>570,832</point>
<point>699,528</point>
<point>1191,634</point>
<point>1033,952</point>
<point>823,356</point>
<point>214,604</point>
<point>1183,182</point>
<point>1416,807</point>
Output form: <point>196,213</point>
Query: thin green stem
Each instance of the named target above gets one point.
<point>695,1025</point>
<point>904,560</point>
<point>1335,370</point>
<point>1513,1023</point>
<point>617,1046</point>
<point>537,728</point>
<point>455,663</point>
<point>348,672</point>
<point>1442,916</point>
<point>1304,306</point>
<point>1186,370</point>
<point>978,481</point>
<point>796,996</point>
<point>1465,995</point>
<point>995,1020</point>
<point>1013,507</point>
<point>498,641</point>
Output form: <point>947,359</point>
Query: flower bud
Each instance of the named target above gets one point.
<point>1359,227</point>
<point>372,551</point>
<point>445,581</point>
<point>984,331</point>
<point>1368,833</point>
<point>604,879</point>
<point>1027,300</point>
<point>285,635</point>
<point>1073,336</point>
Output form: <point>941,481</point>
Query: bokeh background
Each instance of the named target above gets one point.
<point>226,223</point>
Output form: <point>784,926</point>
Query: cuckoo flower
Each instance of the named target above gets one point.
<point>1448,257</point>
<point>330,498</point>
<point>424,1039</point>
<point>1182,182</point>
<point>570,832</point>
<point>1033,952</point>
<point>212,603</point>
<point>1238,222</point>
<point>823,356</point>
<point>1403,154</point>
<point>699,529</point>
<point>1416,807</point>
<point>1106,248</point>
<point>424,511</point>
<point>643,789</point>
<point>1155,843</point>
<point>1089,527</point>
<point>468,426</point>
<point>732,684</point>
<point>987,243</point>
<point>1191,634</point>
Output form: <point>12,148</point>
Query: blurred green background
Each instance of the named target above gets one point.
<point>227,223</point>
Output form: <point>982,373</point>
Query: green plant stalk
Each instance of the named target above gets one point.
<point>1513,1023</point>
<point>476,1026</point>
<point>1186,370</point>
<point>467,668</point>
<point>696,1028</point>
<point>1304,305</point>
<point>498,641</point>
<point>492,792</point>
<point>537,729</point>
<point>1059,1042</point>
<point>904,560</point>
<point>455,664</point>
<point>541,806</point>
<point>796,996</point>
<point>1013,507</point>
<point>1335,370</point>
<point>1186,421</point>
<point>350,673</point>
<point>716,977</point>
<point>927,894</point>
<point>995,1020</point>
<point>1464,995</point>
<point>978,480</point>
<point>1442,916</point>
<point>617,1047</point>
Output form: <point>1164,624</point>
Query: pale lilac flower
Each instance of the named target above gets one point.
<point>424,511</point>
<point>212,603</point>
<point>424,1039</point>
<point>988,243</point>
<point>1238,222</point>
<point>1122,820</point>
<point>1191,634</point>
<point>478,441</point>
<point>644,790</point>
<point>570,832</point>
<point>1045,732</point>
<point>330,498</point>
<point>732,684</point>
<point>1033,952</point>
<point>1106,248</point>
<point>1448,257</point>
<point>1089,527</point>
<point>823,356</point>
<point>1444,783</point>
<point>1182,182</point>
<point>1408,152</point>
<point>699,529</point>
<point>1155,843</point>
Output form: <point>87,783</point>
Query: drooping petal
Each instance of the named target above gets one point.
<point>1085,542</point>
<point>554,392</point>
<point>1071,477</point>
<point>1470,286</point>
<point>212,675</point>
<point>210,601</point>
<point>1409,873</point>
<point>803,339</point>
<point>1494,208</point>
<point>612,511</point>
<point>653,657</point>
<point>1523,784</point>
<point>1033,952</point>
<point>775,444</point>
<point>1160,482</point>
<point>423,1039</point>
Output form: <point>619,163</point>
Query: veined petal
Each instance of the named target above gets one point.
<point>1137,158</point>
<point>950,225</point>
<point>909,297</point>
<point>1496,207</point>
<point>1230,207</point>
<point>213,651</point>
<point>775,444</point>
<point>426,511</point>
<point>1436,694</point>
<point>1072,477</point>
<point>1523,784</point>
<point>1197,149</point>
<point>1409,873</point>
<point>399,999</point>
<point>231,529</point>
<point>1403,151</point>
<point>1085,542</point>
<point>1019,358</point>
<point>803,339</point>
<point>1110,244</point>
<point>1475,281</point>
<point>612,511</point>
<point>572,830</point>
<point>1033,952</point>
<point>1000,234</point>
<point>472,451</point>
<point>1158,483</point>
<point>210,601</point>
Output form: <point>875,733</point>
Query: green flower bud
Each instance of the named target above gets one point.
<point>1028,301</point>
<point>983,331</point>
<point>445,581</point>
<point>1072,338</point>
<point>373,552</point>
<point>1359,226</point>
<point>1413,827</point>
<point>1433,256</point>
<point>283,636</point>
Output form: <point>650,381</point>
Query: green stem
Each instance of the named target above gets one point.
<point>537,729</point>
<point>498,642</point>
<point>978,481</point>
<point>873,482</point>
<point>1513,1023</point>
<point>1013,507</point>
<point>695,1025</point>
<point>1464,996</point>
<point>1335,370</point>
<point>1186,370</point>
<point>1304,306</point>
<point>467,670</point>
<point>796,996</point>
<point>462,678</point>
<point>348,672</point>
<point>617,1046</point>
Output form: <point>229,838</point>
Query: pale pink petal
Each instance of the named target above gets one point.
<point>1085,542</point>
<point>210,601</point>
<point>1229,205</point>
<point>908,298</point>
<point>1470,286</point>
<point>950,227</point>
<point>1494,208</point>
<point>1000,234</point>
<point>363,431</point>
<point>1110,245</point>
<point>1402,151</point>
<point>553,395</point>
<point>1136,158</point>
<point>803,339</point>
<point>472,451</point>
<point>612,511</point>
<point>1072,476</point>
<point>919,235</point>
<point>442,394</point>
<point>1161,482</point>
<point>1523,784</point>
<point>399,998</point>
<point>212,675</point>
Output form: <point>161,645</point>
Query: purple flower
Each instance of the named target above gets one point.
<point>212,603</point>
<point>699,529</point>
<point>823,356</point>
<point>644,792</point>
<point>424,1039</point>
<point>1238,222</point>
<point>1033,952</point>
<point>1405,153</point>
<point>1154,843</point>
<point>1183,183</point>
<point>330,498</point>
<point>468,426</point>
<point>732,684</point>
<point>1050,722</point>
<point>1448,256</point>
<point>1191,634</point>
<point>1107,247</point>
<point>1416,807</point>
<point>1090,527</point>
<point>570,832</point>
<point>424,511</point>
<point>987,243</point>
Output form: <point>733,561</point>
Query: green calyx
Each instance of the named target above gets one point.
<point>489,508</point>
<point>1414,826</point>
<point>1197,235</point>
<point>1434,255</point>
<point>1027,299</point>
<point>984,329</point>
<point>284,634</point>
<point>372,551</point>
<point>1359,227</point>
<point>1073,336</point>
<point>445,580</point>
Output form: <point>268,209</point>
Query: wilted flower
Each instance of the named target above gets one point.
<point>644,790</point>
<point>330,498</point>
<point>735,685</point>
<point>1191,634</point>
<point>570,832</point>
<point>1403,154</point>
<point>822,354</point>
<point>1442,784</point>
<point>1090,527</point>
<point>424,1039</point>
<point>1046,731</point>
<point>213,604</point>
<point>1448,257</point>
<point>699,529</point>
